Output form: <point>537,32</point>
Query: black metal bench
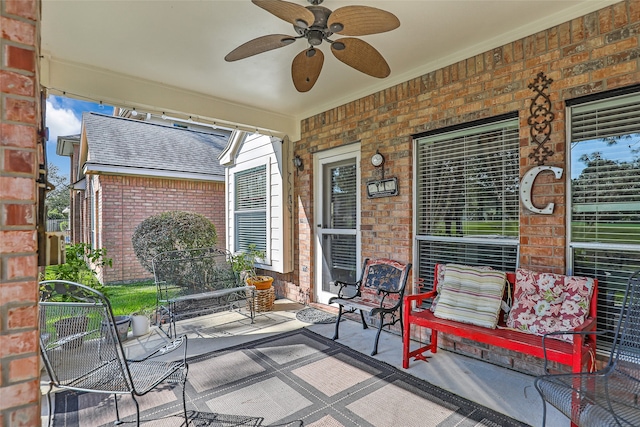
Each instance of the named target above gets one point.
<point>193,282</point>
<point>609,396</point>
<point>378,293</point>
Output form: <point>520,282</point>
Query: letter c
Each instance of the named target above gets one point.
<point>527,183</point>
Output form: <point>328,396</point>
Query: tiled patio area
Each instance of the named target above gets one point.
<point>500,389</point>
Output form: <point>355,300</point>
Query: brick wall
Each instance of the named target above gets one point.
<point>591,54</point>
<point>126,201</point>
<point>20,154</point>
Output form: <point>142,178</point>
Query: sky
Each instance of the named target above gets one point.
<point>64,118</point>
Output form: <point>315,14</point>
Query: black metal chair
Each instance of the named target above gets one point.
<point>378,293</point>
<point>82,351</point>
<point>609,396</point>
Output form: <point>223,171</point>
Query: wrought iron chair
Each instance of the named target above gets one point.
<point>82,351</point>
<point>611,395</point>
<point>378,293</point>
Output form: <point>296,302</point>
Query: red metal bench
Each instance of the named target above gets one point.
<point>576,354</point>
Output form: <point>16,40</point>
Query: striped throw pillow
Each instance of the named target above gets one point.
<point>471,295</point>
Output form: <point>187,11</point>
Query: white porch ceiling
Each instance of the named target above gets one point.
<point>169,55</point>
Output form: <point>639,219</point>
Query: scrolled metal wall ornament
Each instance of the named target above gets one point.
<point>540,119</point>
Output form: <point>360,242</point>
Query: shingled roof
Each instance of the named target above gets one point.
<point>126,145</point>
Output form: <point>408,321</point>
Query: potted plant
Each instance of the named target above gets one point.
<point>244,264</point>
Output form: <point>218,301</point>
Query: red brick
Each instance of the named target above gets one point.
<point>22,267</point>
<point>18,343</point>
<point>19,214</point>
<point>18,241</point>
<point>19,110</point>
<point>14,188</point>
<point>25,417</point>
<point>20,394</point>
<point>17,31</point>
<point>24,8</point>
<point>24,368</point>
<point>16,84</point>
<point>23,317</point>
<point>19,161</point>
<point>19,292</point>
<point>12,135</point>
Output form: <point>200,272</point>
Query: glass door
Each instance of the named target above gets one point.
<point>337,219</point>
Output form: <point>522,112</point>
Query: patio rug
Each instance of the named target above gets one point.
<point>295,378</point>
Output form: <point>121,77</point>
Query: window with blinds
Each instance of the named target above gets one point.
<point>250,206</point>
<point>467,201</point>
<point>605,198</point>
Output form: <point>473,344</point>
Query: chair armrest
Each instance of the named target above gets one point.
<point>419,298</point>
<point>345,285</point>
<point>167,348</point>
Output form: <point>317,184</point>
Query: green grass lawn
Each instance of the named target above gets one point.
<point>131,298</point>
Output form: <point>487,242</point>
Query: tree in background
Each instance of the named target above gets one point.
<point>58,199</point>
<point>169,231</point>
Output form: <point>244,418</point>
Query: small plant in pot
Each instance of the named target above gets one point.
<point>244,264</point>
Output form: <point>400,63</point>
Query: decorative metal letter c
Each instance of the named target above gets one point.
<point>527,183</point>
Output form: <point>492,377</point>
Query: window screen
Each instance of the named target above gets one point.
<point>467,206</point>
<point>605,198</point>
<point>251,208</point>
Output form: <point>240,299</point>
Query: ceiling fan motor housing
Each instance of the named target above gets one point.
<point>318,31</point>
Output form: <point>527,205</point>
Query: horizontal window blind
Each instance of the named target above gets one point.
<point>605,198</point>
<point>250,202</point>
<point>251,228</point>
<point>343,197</point>
<point>251,188</point>
<point>481,253</point>
<point>467,201</point>
<point>467,183</point>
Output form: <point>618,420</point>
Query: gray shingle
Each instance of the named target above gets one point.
<point>116,141</point>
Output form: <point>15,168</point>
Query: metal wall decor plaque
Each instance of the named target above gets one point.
<point>540,118</point>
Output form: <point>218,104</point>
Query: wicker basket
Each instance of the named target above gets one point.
<point>264,300</point>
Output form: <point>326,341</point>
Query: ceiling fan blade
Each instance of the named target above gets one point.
<point>305,69</point>
<point>290,12</point>
<point>362,20</point>
<point>259,45</point>
<point>361,56</point>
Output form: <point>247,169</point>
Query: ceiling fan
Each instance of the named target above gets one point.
<point>316,24</point>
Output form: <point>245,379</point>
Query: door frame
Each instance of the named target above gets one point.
<point>319,160</point>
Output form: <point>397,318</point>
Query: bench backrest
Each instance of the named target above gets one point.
<point>626,353</point>
<point>510,288</point>
<point>384,276</point>
<point>190,271</point>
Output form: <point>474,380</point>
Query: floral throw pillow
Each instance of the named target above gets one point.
<point>547,302</point>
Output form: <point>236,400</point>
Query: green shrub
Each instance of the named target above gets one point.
<point>80,265</point>
<point>169,231</point>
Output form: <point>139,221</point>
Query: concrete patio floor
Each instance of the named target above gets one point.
<point>503,390</point>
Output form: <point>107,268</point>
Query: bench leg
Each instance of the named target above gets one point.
<point>375,345</point>
<point>335,335</point>
<point>364,324</point>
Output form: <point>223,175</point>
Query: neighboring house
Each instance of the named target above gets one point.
<point>125,170</point>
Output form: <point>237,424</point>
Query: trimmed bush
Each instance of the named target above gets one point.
<point>170,231</point>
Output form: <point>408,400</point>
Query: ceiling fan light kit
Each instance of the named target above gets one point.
<point>316,24</point>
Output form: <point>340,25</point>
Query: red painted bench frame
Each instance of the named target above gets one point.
<point>576,355</point>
